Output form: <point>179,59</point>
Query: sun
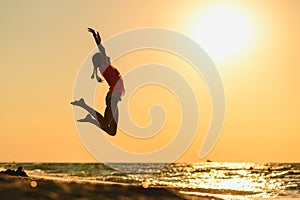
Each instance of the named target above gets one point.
<point>222,31</point>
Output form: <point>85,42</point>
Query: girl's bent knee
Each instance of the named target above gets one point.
<point>112,132</point>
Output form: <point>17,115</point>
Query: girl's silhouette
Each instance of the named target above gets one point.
<point>109,121</point>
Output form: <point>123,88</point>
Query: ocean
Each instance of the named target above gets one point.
<point>219,179</point>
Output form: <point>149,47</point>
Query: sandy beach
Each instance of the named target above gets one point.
<point>33,188</point>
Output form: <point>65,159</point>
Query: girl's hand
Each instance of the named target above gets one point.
<point>92,31</point>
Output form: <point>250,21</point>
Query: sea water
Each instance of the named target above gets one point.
<point>224,180</point>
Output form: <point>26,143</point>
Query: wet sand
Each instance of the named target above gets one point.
<point>26,188</point>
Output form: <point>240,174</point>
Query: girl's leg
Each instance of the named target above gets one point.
<point>108,123</point>
<point>90,119</point>
<point>81,103</point>
<point>111,115</point>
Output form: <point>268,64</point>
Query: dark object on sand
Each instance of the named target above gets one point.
<point>18,172</point>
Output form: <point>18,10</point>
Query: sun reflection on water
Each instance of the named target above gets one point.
<point>248,180</point>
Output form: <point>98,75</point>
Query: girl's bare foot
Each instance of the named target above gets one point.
<point>88,118</point>
<point>79,102</point>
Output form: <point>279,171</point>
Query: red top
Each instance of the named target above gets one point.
<point>113,78</point>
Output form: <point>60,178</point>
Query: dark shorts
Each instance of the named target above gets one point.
<point>113,95</point>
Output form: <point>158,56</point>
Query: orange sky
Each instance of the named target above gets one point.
<point>44,43</point>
